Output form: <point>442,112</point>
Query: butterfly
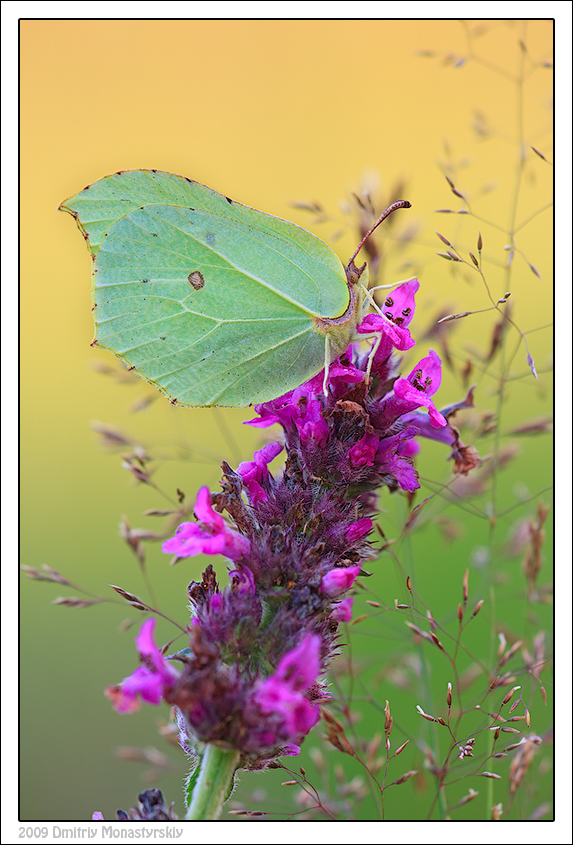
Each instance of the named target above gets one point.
<point>210,301</point>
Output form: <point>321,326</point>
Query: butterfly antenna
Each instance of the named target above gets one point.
<point>394,207</point>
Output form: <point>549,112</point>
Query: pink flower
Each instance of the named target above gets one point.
<point>391,458</point>
<point>210,536</point>
<point>283,692</point>
<point>243,581</point>
<point>408,448</point>
<point>286,409</point>
<point>421,384</point>
<point>342,611</point>
<point>398,310</point>
<point>338,581</point>
<point>339,376</point>
<point>359,529</point>
<point>312,427</point>
<point>255,471</point>
<point>149,681</point>
<point>282,410</point>
<point>363,453</point>
<point>414,392</point>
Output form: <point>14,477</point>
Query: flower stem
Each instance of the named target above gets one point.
<point>213,785</point>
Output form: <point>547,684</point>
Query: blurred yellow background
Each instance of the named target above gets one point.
<point>267,112</point>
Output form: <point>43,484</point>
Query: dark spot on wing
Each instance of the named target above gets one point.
<point>229,200</point>
<point>210,238</point>
<point>174,401</point>
<point>196,280</point>
<point>144,281</point>
<point>131,368</point>
<point>87,187</point>
<point>154,235</point>
<point>162,338</point>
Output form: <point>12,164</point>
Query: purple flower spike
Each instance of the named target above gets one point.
<point>342,611</point>
<point>338,581</point>
<point>298,539</point>
<point>210,536</point>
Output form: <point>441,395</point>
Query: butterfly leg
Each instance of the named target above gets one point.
<point>371,354</point>
<point>326,364</point>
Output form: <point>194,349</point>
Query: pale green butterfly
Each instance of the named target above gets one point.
<point>210,301</point>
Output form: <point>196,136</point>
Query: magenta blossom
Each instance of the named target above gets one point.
<point>209,536</point>
<point>397,310</point>
<point>286,409</point>
<point>282,693</point>
<point>254,472</point>
<point>339,377</point>
<point>408,449</point>
<point>312,427</point>
<point>342,611</point>
<point>149,681</point>
<point>338,581</point>
<point>282,411</point>
<point>359,529</point>
<point>392,455</point>
<point>414,392</point>
<point>244,581</point>
<point>363,453</point>
<point>421,384</point>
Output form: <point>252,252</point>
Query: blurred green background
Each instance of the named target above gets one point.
<point>269,113</point>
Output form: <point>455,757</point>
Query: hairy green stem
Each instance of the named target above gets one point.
<point>213,785</point>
